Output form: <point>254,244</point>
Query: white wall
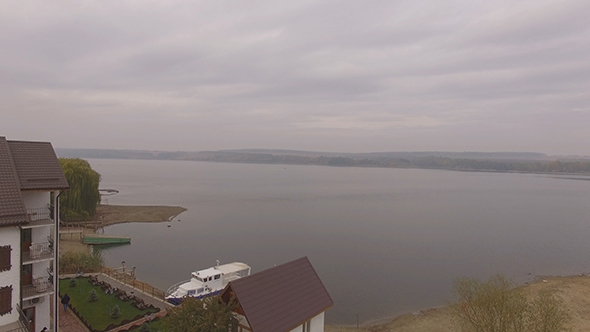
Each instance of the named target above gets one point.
<point>42,314</point>
<point>11,236</point>
<point>35,199</point>
<point>317,324</point>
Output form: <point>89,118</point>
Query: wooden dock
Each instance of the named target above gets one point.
<point>71,232</point>
<point>105,239</point>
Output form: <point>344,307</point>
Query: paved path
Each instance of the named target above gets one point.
<point>147,298</point>
<point>68,322</point>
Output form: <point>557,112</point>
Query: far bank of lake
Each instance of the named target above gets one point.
<point>384,241</point>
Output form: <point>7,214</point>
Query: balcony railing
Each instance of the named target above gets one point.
<point>38,252</point>
<point>23,322</point>
<point>39,217</point>
<point>40,287</point>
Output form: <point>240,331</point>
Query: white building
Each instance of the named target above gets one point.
<point>30,182</point>
<point>285,298</point>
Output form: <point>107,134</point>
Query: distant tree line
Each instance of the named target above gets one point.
<point>427,162</point>
<point>467,161</point>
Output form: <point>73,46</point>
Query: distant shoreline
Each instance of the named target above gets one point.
<point>501,162</point>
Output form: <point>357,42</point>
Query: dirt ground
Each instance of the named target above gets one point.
<point>574,291</point>
<point>116,214</point>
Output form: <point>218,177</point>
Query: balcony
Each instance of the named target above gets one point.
<point>40,287</point>
<point>38,252</point>
<point>21,325</point>
<point>39,217</point>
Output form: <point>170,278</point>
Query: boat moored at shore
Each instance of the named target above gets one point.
<point>207,282</point>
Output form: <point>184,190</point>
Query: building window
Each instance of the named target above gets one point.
<point>5,258</point>
<point>5,300</point>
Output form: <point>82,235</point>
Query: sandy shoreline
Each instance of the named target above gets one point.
<point>574,291</point>
<point>117,214</point>
<point>107,215</point>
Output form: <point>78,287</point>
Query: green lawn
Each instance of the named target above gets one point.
<point>97,313</point>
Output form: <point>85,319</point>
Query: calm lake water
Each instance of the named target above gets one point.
<point>383,241</point>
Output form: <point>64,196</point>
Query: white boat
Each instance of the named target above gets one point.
<point>207,282</point>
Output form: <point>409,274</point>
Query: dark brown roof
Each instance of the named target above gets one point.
<point>25,166</point>
<point>280,298</point>
<point>12,208</point>
<point>37,166</point>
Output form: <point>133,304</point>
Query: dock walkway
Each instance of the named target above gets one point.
<point>105,239</point>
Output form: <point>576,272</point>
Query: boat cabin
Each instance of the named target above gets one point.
<point>211,278</point>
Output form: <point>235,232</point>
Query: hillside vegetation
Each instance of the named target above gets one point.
<point>459,161</point>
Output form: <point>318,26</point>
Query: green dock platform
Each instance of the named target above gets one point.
<point>105,239</point>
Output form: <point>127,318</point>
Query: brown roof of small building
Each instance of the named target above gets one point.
<point>280,298</point>
<point>25,166</point>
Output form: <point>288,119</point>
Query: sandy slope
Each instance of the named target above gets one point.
<point>573,290</point>
<point>116,214</point>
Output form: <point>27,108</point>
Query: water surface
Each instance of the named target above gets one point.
<point>383,241</point>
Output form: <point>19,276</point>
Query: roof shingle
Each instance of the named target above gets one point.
<point>37,166</point>
<point>12,208</point>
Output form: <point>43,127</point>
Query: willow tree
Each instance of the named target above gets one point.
<point>80,201</point>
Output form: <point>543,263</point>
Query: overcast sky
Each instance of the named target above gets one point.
<point>349,76</point>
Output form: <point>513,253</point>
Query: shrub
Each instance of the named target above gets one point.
<point>116,312</point>
<point>92,296</point>
<point>145,327</point>
<point>497,306</point>
<point>72,283</point>
<point>72,262</point>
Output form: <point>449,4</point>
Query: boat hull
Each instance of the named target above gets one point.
<point>178,300</point>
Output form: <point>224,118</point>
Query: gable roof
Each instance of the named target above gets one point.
<point>280,298</point>
<point>37,166</point>
<point>25,166</point>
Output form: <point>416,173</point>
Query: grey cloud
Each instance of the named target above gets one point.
<point>340,74</point>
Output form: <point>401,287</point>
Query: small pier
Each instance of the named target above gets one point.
<point>71,232</point>
<point>105,239</point>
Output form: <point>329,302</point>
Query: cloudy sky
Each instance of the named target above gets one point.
<point>350,76</point>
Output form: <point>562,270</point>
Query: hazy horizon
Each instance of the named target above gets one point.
<point>328,152</point>
<point>341,76</point>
